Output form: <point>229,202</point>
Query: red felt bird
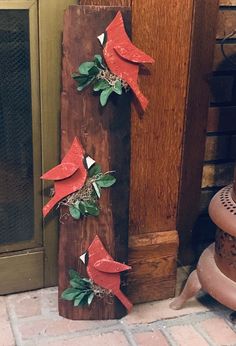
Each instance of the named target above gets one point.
<point>104,271</point>
<point>69,176</point>
<point>123,58</point>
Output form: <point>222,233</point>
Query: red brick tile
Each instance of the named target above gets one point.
<point>3,308</point>
<point>187,335</point>
<point>150,339</point>
<point>7,338</point>
<point>49,327</point>
<point>109,339</point>
<point>26,304</point>
<point>219,331</point>
<point>150,312</point>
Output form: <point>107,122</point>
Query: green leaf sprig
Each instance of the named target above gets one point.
<point>81,291</point>
<point>85,202</point>
<point>98,75</point>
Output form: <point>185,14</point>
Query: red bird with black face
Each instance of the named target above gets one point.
<point>104,271</point>
<point>69,176</point>
<point>122,57</point>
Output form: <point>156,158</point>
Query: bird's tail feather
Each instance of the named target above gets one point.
<point>124,300</point>
<point>143,101</point>
<point>47,208</point>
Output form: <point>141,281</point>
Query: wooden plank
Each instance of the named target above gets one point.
<point>220,148</point>
<point>227,2</point>
<point>154,138</point>
<point>153,259</point>
<point>104,133</point>
<point>222,64</point>
<point>222,89</point>
<point>28,272</point>
<point>226,24</point>
<point>106,2</point>
<point>197,100</point>
<point>162,288</point>
<point>217,174</point>
<point>221,119</point>
<point>50,35</point>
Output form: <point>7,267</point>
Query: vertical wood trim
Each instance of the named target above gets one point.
<point>36,133</point>
<point>50,38</point>
<point>156,138</point>
<point>195,122</point>
<point>106,2</point>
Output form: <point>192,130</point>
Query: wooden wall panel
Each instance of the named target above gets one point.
<point>106,2</point>
<point>221,126</point>
<point>154,190</point>
<point>196,120</point>
<point>158,136</point>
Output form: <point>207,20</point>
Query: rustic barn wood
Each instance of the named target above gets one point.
<point>157,137</point>
<point>104,133</point>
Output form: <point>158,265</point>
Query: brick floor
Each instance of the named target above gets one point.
<point>31,319</point>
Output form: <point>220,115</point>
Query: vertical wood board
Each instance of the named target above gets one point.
<point>157,136</point>
<point>105,136</point>
<point>195,122</point>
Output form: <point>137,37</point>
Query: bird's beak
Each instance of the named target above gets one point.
<point>89,162</point>
<point>83,257</point>
<point>101,38</point>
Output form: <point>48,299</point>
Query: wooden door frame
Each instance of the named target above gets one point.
<point>51,14</point>
<point>35,262</point>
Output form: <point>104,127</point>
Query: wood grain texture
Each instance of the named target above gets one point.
<point>153,259</point>
<point>106,2</point>
<point>50,39</point>
<point>105,135</point>
<point>220,174</point>
<point>157,136</point>
<point>201,58</point>
<point>226,23</point>
<point>221,119</point>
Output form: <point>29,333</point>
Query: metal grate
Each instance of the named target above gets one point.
<point>16,154</point>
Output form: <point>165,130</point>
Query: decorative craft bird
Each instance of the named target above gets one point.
<point>69,176</point>
<point>122,57</point>
<point>104,271</point>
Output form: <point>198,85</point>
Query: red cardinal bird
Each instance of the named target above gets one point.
<point>104,271</point>
<point>69,176</point>
<point>123,58</point>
